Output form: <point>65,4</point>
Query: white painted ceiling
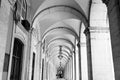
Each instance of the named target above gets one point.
<point>35,4</point>
<point>58,27</point>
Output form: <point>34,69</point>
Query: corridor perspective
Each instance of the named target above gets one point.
<point>59,39</point>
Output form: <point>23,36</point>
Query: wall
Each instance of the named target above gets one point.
<point>7,34</point>
<point>4,25</point>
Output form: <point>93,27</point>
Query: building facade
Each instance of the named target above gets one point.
<point>59,39</point>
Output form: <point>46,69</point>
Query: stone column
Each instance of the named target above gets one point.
<point>113,7</point>
<point>77,57</point>
<point>79,60</point>
<point>45,68</point>
<point>102,61</point>
<point>74,66</point>
<point>89,56</point>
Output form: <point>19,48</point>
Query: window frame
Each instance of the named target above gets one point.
<point>17,60</point>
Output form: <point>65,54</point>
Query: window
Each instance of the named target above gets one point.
<point>16,66</point>
<point>21,8</point>
<point>24,9</point>
<point>33,64</point>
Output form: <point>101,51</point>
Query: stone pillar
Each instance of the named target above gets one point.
<point>102,61</point>
<point>113,7</point>
<point>74,66</point>
<point>89,56</point>
<point>79,60</point>
<point>42,73</point>
<point>45,67</point>
<point>47,71</point>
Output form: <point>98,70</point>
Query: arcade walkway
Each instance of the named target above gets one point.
<point>59,39</point>
<point>70,49</point>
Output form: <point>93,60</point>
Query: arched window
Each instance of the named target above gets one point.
<point>16,66</point>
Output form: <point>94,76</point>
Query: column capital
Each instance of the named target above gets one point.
<point>78,44</point>
<point>106,2</point>
<point>98,29</point>
<point>86,31</point>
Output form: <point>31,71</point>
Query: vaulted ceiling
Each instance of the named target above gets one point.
<point>59,22</point>
<point>35,4</point>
